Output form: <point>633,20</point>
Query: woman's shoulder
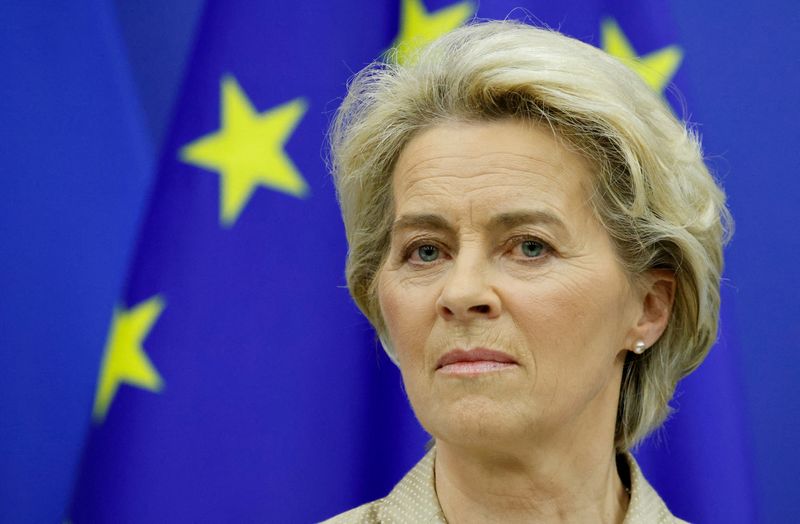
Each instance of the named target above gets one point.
<point>413,499</point>
<point>366,513</point>
<point>645,506</point>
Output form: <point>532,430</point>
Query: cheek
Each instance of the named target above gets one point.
<point>570,324</point>
<point>406,311</point>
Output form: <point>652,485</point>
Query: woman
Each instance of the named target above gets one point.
<point>538,244</point>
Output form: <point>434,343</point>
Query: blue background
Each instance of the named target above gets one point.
<point>67,232</point>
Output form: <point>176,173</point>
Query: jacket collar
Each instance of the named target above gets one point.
<point>414,498</point>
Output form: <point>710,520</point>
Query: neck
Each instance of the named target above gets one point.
<point>548,484</point>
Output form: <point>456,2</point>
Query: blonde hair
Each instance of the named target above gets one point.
<point>652,190</point>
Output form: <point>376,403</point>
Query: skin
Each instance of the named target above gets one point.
<point>495,246</point>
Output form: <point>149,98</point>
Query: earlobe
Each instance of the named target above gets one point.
<point>657,300</point>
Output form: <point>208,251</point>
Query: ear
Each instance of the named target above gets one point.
<point>657,296</point>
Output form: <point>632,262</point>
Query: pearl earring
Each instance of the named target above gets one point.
<point>640,347</point>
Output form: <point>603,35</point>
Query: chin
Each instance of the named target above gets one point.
<point>474,420</point>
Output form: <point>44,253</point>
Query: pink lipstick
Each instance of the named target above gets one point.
<point>474,362</point>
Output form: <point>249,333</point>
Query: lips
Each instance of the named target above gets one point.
<point>478,360</point>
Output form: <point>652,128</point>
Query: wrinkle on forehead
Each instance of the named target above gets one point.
<point>430,159</point>
<point>483,181</point>
<point>490,188</point>
<point>472,177</point>
<point>468,173</point>
<point>469,152</point>
<point>514,169</point>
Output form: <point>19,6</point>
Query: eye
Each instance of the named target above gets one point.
<point>423,253</point>
<point>528,248</point>
<point>532,248</point>
<point>427,253</point>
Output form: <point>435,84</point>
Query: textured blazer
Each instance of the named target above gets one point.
<point>413,500</point>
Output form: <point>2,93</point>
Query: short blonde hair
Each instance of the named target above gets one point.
<point>652,190</point>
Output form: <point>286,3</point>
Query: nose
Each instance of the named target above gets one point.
<point>467,294</point>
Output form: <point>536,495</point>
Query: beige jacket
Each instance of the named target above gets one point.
<point>413,500</point>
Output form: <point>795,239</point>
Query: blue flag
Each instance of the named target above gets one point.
<point>239,382</point>
<point>74,149</point>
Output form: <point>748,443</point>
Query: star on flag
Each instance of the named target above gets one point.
<point>248,150</point>
<point>656,68</point>
<point>419,27</point>
<point>124,358</point>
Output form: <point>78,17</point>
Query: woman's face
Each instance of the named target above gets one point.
<point>501,293</point>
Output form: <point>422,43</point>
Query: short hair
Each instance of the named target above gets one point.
<point>651,189</point>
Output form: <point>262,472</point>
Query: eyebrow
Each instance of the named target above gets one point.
<point>422,221</point>
<point>506,220</point>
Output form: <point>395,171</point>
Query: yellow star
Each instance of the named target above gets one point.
<point>124,359</point>
<point>418,27</point>
<point>656,68</point>
<point>248,150</point>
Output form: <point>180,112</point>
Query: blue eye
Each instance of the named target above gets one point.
<point>428,253</point>
<point>532,248</point>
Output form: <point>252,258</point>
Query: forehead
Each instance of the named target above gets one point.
<point>488,166</point>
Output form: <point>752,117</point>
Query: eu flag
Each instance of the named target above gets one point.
<point>239,383</point>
